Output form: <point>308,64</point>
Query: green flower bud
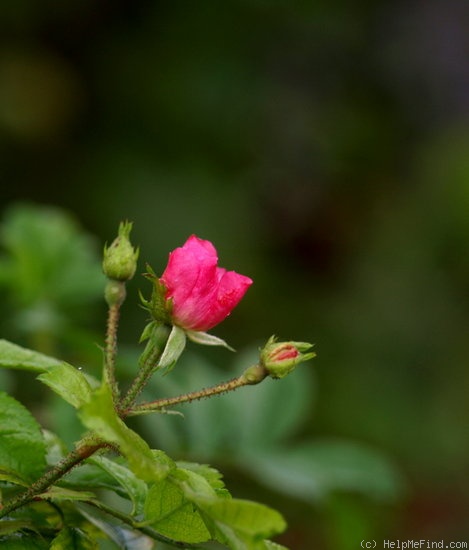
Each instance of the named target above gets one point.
<point>280,358</point>
<point>120,259</point>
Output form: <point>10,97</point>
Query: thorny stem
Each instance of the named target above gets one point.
<point>83,450</point>
<point>250,376</point>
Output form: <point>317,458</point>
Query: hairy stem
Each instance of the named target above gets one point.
<point>83,450</point>
<point>250,376</point>
<point>110,350</point>
<point>148,364</point>
<point>114,294</point>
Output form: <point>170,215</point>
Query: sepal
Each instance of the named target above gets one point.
<point>206,339</point>
<point>173,349</point>
<point>159,307</point>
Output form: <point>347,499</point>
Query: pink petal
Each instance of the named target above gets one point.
<point>202,293</point>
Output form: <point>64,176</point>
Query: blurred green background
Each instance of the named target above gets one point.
<point>323,148</point>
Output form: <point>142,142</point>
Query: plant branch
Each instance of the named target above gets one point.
<point>83,450</point>
<point>250,376</point>
<point>111,350</point>
<point>147,365</point>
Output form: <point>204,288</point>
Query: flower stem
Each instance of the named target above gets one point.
<point>109,373</point>
<point>148,364</point>
<point>250,376</point>
<point>83,450</point>
<point>114,294</point>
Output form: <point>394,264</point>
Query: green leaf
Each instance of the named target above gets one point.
<point>134,487</point>
<point>169,512</point>
<point>73,539</point>
<point>68,382</point>
<point>100,416</point>
<point>91,478</point>
<point>194,486</point>
<point>123,538</point>
<point>185,501</point>
<point>241,523</point>
<point>173,349</point>
<point>16,357</point>
<point>11,477</point>
<point>8,526</point>
<point>211,475</point>
<point>22,447</point>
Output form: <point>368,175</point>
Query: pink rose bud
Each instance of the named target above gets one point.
<point>201,293</point>
<point>280,358</point>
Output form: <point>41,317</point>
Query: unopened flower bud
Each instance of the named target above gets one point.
<point>120,258</point>
<point>280,358</point>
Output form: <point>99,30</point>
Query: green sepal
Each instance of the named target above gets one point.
<point>147,331</point>
<point>206,339</point>
<point>157,335</point>
<point>173,349</point>
<point>159,307</point>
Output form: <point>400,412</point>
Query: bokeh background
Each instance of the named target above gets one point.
<point>323,148</point>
